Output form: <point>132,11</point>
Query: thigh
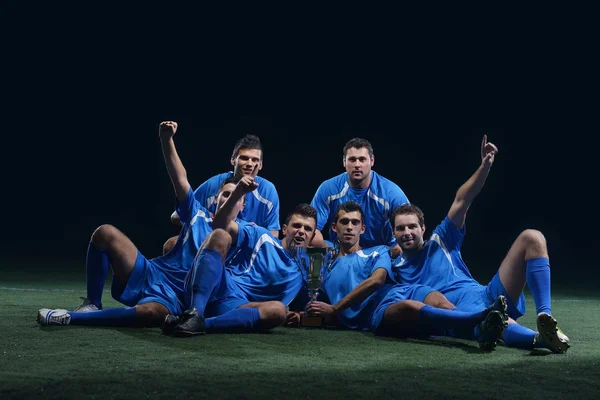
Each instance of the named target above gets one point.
<point>512,271</point>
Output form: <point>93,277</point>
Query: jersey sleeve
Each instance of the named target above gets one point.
<point>189,207</point>
<point>272,218</point>
<point>382,260</point>
<point>319,202</point>
<point>450,234</point>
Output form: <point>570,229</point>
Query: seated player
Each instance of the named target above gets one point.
<point>258,281</point>
<point>377,196</point>
<point>262,205</point>
<point>151,288</point>
<point>438,263</point>
<point>356,282</point>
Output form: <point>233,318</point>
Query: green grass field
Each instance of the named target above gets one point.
<point>78,362</point>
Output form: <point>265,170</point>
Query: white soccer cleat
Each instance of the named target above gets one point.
<point>86,306</point>
<point>549,334</point>
<point>46,316</point>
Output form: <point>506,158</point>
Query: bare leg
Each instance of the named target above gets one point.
<point>122,252</point>
<point>169,244</point>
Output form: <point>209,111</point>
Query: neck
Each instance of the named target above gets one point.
<point>363,184</point>
<point>346,249</point>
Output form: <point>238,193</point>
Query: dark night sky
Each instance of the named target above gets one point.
<point>84,96</point>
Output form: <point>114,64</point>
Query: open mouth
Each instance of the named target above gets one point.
<point>299,240</point>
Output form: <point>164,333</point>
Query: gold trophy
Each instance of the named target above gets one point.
<point>314,279</point>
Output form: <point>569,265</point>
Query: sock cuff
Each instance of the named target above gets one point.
<point>537,264</point>
<point>212,253</point>
<point>96,248</point>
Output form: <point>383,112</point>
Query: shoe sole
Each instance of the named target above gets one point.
<point>548,330</point>
<point>186,333</point>
<point>495,324</point>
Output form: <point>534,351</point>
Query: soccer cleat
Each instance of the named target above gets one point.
<point>169,324</point>
<point>501,305</point>
<point>191,323</point>
<point>549,334</point>
<point>86,306</point>
<point>490,329</point>
<point>59,316</point>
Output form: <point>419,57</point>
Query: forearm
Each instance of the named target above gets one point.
<point>227,213</point>
<point>175,168</point>
<point>471,188</point>
<point>361,292</point>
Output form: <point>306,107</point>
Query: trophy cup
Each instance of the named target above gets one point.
<point>314,280</point>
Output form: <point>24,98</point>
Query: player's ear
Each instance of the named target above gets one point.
<point>372,160</point>
<point>233,161</point>
<point>259,165</point>
<point>423,229</point>
<point>344,161</point>
<point>333,227</point>
<point>284,229</point>
<point>362,228</point>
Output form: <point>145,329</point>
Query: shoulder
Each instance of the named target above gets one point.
<point>335,183</point>
<point>264,183</point>
<point>376,250</point>
<point>217,179</point>
<point>384,182</point>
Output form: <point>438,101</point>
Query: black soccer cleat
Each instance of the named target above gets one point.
<point>169,324</point>
<point>191,323</point>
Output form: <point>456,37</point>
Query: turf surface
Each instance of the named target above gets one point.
<point>78,362</point>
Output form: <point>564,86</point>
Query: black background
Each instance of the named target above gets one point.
<point>85,89</point>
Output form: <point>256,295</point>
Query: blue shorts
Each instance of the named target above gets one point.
<point>481,297</point>
<point>147,284</point>
<point>395,295</point>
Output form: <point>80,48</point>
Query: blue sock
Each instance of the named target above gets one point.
<point>516,335</point>
<point>204,277</point>
<point>97,264</point>
<point>110,317</point>
<point>240,319</point>
<point>449,319</point>
<point>538,281</point>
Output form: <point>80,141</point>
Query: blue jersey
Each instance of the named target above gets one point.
<point>261,268</point>
<point>439,264</point>
<point>262,204</point>
<point>346,273</point>
<point>175,265</point>
<point>378,201</point>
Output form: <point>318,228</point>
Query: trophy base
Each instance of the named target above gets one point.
<point>311,321</point>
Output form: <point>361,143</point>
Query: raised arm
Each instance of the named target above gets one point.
<point>471,188</point>
<point>177,173</point>
<point>225,216</point>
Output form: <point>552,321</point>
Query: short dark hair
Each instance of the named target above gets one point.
<point>358,143</point>
<point>406,209</point>
<point>248,142</point>
<point>304,210</point>
<point>232,179</point>
<point>349,206</point>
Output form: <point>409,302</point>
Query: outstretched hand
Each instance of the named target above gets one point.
<point>247,184</point>
<point>488,152</point>
<point>167,129</point>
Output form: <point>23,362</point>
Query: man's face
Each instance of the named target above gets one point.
<point>299,230</point>
<point>408,232</point>
<point>358,164</point>
<point>247,162</point>
<point>348,227</point>
<point>224,194</point>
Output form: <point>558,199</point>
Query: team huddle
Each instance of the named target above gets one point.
<point>233,268</point>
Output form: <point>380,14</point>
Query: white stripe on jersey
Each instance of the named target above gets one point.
<point>263,200</point>
<point>265,238</point>
<point>383,202</point>
<point>200,214</point>
<point>436,238</point>
<point>337,196</point>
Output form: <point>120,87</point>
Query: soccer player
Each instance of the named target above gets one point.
<point>256,284</point>
<point>262,206</point>
<point>151,288</point>
<point>438,263</point>
<point>356,283</point>
<point>377,196</point>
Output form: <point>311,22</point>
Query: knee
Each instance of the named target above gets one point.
<point>218,240</point>
<point>103,235</point>
<point>272,314</point>
<point>438,300</point>
<point>169,244</point>
<point>533,239</point>
<point>151,314</point>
